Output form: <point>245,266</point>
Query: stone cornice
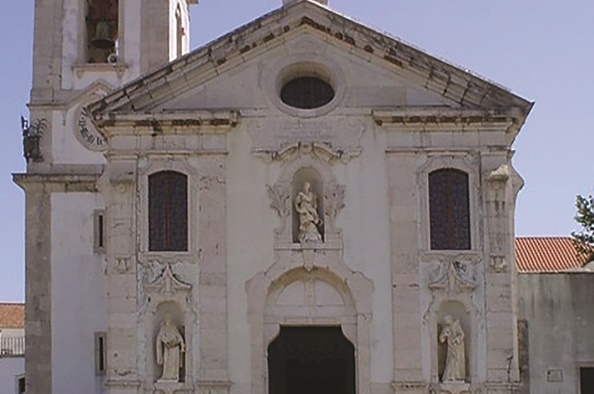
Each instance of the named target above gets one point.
<point>59,183</point>
<point>440,116</point>
<point>178,121</point>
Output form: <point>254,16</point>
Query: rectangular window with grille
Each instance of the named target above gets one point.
<point>449,210</point>
<point>99,231</point>
<point>100,353</point>
<point>168,212</point>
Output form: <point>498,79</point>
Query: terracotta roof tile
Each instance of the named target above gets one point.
<point>12,315</point>
<point>547,254</point>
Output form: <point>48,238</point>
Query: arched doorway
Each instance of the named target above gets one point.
<point>287,298</point>
<point>311,360</point>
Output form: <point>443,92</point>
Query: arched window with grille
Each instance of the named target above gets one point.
<point>449,210</point>
<point>168,212</point>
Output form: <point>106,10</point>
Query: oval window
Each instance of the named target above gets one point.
<point>307,93</point>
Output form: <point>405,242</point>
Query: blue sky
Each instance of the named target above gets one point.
<point>540,49</point>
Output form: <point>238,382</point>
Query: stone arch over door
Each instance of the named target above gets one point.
<point>291,295</point>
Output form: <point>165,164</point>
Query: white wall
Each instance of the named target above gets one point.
<point>10,369</point>
<point>559,312</point>
<point>78,293</point>
<point>12,332</point>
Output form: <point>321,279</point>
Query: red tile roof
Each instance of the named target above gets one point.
<point>547,254</point>
<point>12,315</point>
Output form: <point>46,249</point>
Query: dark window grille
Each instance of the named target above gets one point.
<point>168,212</point>
<point>449,210</point>
<point>307,93</point>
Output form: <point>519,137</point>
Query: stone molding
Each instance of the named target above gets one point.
<point>57,183</point>
<point>319,149</point>
<point>440,117</point>
<point>278,138</point>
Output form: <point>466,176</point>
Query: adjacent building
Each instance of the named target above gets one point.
<point>12,348</point>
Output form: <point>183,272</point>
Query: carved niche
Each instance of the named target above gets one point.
<point>307,199</point>
<point>168,317</point>
<point>452,317</point>
<point>453,337</point>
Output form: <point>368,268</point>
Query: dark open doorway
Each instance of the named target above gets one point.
<point>311,360</point>
<point>586,380</point>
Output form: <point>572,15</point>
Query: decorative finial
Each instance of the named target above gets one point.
<point>289,2</point>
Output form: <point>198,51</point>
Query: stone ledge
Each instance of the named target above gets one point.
<point>59,183</point>
<point>80,69</point>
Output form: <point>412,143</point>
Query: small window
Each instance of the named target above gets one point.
<point>307,93</point>
<point>21,385</point>
<point>99,231</point>
<point>449,210</point>
<point>100,353</point>
<point>168,212</point>
<point>587,380</point>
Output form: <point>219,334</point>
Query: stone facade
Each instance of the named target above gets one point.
<point>217,117</point>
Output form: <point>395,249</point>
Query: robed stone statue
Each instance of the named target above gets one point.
<point>170,348</point>
<point>453,336</point>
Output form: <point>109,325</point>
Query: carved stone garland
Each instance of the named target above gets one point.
<point>453,278</point>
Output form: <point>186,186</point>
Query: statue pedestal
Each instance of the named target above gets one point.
<point>171,386</point>
<point>454,388</point>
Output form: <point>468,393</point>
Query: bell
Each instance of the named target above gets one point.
<point>103,38</point>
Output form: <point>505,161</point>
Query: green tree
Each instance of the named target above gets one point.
<point>584,239</point>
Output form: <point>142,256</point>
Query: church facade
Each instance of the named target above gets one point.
<point>305,205</point>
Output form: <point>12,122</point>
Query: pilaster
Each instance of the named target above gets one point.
<point>212,230</point>
<point>120,196</point>
<point>38,274</point>
<point>408,363</point>
<point>500,309</point>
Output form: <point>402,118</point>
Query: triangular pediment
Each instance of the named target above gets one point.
<point>237,71</point>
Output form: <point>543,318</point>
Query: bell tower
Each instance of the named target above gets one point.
<point>80,41</point>
<point>82,50</point>
<point>81,44</point>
